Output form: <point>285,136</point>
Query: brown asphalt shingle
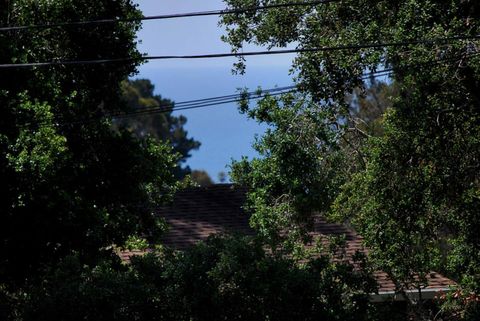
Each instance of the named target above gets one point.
<point>197,213</point>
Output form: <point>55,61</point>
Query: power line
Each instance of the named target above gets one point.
<point>206,102</point>
<point>445,40</point>
<point>218,99</point>
<point>164,108</point>
<point>185,105</point>
<point>167,16</point>
<point>233,98</point>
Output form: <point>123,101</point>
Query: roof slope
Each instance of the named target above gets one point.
<point>197,213</point>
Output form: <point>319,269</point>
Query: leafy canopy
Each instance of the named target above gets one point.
<point>139,95</point>
<point>225,278</point>
<point>415,196</point>
<point>69,183</point>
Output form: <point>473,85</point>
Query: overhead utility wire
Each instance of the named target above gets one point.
<point>162,108</point>
<point>220,100</point>
<point>207,102</point>
<point>167,109</point>
<point>166,16</point>
<point>445,40</point>
<point>170,107</point>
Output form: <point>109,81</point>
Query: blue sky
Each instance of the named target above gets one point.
<point>224,133</point>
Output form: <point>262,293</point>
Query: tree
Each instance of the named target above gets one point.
<point>201,178</point>
<point>222,177</point>
<point>69,183</point>
<point>417,193</point>
<point>296,173</point>
<point>139,95</point>
<point>225,278</point>
<point>368,106</point>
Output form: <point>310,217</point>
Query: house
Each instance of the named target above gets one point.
<point>197,213</point>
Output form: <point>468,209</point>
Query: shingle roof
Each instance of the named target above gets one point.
<point>197,213</point>
<point>354,243</point>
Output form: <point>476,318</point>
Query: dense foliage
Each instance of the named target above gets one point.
<point>201,178</point>
<point>397,160</point>
<point>140,97</point>
<point>296,174</point>
<point>69,183</point>
<point>414,193</point>
<point>226,278</point>
<point>74,190</point>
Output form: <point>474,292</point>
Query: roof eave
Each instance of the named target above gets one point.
<point>416,294</point>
